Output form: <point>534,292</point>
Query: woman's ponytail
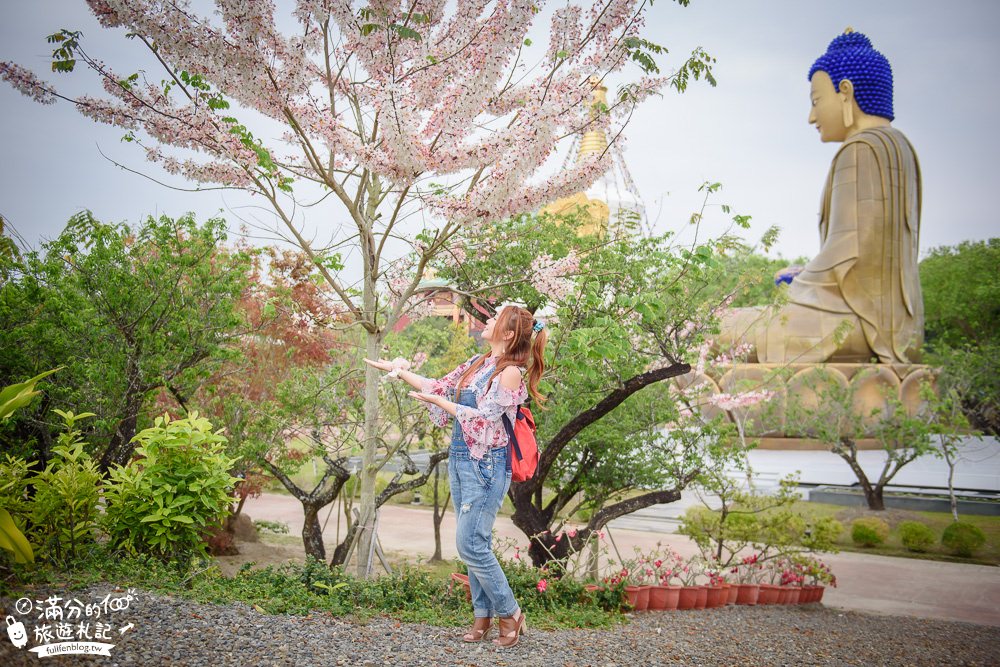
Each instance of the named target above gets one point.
<point>536,364</point>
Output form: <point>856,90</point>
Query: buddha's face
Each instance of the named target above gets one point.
<point>827,112</point>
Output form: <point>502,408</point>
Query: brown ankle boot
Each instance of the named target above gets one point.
<point>511,629</point>
<point>480,630</point>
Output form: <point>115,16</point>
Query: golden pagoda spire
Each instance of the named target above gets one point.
<point>595,142</point>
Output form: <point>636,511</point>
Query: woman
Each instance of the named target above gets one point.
<point>478,394</point>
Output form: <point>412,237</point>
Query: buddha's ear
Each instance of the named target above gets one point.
<point>846,89</point>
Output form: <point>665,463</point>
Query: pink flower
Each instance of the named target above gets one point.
<point>658,563</point>
<point>558,537</point>
<point>542,585</point>
<point>572,533</point>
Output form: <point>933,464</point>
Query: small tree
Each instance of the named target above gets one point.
<point>947,421</point>
<point>833,419</point>
<point>130,312</point>
<point>625,313</point>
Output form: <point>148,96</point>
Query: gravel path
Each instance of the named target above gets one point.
<point>173,631</point>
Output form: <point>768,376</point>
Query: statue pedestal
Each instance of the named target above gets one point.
<point>869,386</point>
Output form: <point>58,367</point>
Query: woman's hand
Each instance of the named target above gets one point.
<point>429,398</point>
<point>381,365</point>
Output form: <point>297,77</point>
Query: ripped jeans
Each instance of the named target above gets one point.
<point>477,490</point>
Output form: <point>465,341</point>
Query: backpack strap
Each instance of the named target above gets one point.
<point>513,438</point>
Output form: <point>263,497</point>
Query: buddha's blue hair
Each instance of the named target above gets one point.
<point>851,56</point>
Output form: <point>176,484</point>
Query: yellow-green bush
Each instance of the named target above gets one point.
<point>869,532</point>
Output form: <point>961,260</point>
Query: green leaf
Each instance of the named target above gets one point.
<point>406,32</point>
<point>18,395</point>
<point>13,540</point>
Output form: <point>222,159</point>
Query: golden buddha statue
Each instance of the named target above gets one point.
<point>859,299</point>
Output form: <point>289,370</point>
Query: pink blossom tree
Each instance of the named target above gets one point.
<point>417,119</point>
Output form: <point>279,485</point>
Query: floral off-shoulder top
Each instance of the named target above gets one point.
<point>482,425</point>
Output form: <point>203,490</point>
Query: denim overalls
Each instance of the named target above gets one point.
<point>477,491</point>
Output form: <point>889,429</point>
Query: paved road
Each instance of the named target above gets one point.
<point>879,584</point>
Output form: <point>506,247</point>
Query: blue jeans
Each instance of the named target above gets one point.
<point>477,491</point>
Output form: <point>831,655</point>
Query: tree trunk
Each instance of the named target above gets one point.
<point>873,495</point>
<point>312,532</point>
<point>438,515</point>
<point>951,483</point>
<point>340,553</point>
<point>120,448</point>
<point>368,470</point>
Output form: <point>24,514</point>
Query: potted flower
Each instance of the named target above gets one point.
<point>817,576</point>
<point>461,580</point>
<point>717,595</point>
<point>632,574</point>
<point>663,595</point>
<point>747,575</point>
<point>791,583</point>
<point>691,596</point>
<point>770,591</point>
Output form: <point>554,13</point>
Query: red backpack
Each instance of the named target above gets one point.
<point>524,460</point>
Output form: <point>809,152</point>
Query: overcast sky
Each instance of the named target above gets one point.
<point>750,133</point>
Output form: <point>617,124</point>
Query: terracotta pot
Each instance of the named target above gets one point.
<point>795,595</point>
<point>768,594</point>
<point>638,597</point>
<point>462,579</point>
<point>818,596</point>
<point>686,597</point>
<point>590,588</point>
<point>784,594</point>
<point>747,593</point>
<point>731,592</point>
<point>673,598</point>
<point>702,600</point>
<point>660,598</point>
<point>717,597</point>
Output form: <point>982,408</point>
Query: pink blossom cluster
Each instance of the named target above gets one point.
<point>436,76</point>
<point>744,399</point>
<point>419,359</point>
<point>552,277</point>
<point>736,353</point>
<point>26,83</point>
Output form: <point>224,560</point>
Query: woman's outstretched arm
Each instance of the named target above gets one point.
<point>412,379</point>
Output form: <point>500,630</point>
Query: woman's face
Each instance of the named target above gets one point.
<point>490,333</point>
<point>488,329</point>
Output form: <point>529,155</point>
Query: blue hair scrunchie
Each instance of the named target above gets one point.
<point>538,326</point>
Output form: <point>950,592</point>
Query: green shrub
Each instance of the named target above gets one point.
<point>276,527</point>
<point>64,509</point>
<point>165,502</point>
<point>916,536</point>
<point>963,539</point>
<point>14,475</point>
<point>869,532</point>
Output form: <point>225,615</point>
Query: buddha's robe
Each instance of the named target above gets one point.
<point>864,278</point>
